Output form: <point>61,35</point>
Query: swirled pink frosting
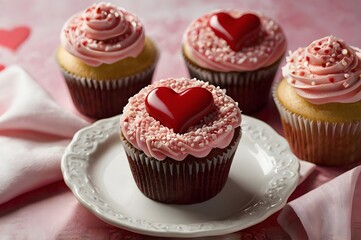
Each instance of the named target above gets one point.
<point>326,71</point>
<point>145,133</point>
<point>103,33</point>
<point>209,51</point>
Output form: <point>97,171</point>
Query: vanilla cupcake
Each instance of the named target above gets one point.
<point>239,52</point>
<point>319,101</point>
<point>180,137</point>
<point>105,58</point>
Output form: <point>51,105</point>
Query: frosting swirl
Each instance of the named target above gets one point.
<point>145,133</point>
<point>326,71</point>
<point>208,50</point>
<point>103,33</point>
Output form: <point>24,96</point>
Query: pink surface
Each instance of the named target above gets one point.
<point>40,206</point>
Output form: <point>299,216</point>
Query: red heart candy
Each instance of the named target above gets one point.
<point>179,110</point>
<point>2,67</point>
<point>13,38</point>
<point>238,32</point>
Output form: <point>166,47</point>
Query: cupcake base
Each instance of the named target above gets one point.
<point>192,180</point>
<point>251,89</point>
<point>105,98</point>
<point>321,142</point>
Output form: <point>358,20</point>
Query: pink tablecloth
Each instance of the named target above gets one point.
<point>34,201</point>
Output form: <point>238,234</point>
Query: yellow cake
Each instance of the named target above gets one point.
<point>122,68</point>
<point>105,58</point>
<point>329,112</point>
<point>319,101</point>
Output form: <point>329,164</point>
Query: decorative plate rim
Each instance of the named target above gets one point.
<point>75,162</point>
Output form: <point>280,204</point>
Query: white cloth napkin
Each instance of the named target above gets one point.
<point>331,211</point>
<point>34,132</point>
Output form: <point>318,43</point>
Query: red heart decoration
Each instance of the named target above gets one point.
<point>14,38</point>
<point>2,67</point>
<point>238,32</point>
<point>179,110</point>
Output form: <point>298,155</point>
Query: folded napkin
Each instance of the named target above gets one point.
<point>34,132</point>
<point>331,211</point>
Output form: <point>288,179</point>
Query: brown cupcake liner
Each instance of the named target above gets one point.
<point>251,89</point>
<point>105,98</point>
<point>192,180</point>
<point>323,143</point>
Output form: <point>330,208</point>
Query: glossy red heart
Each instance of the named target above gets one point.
<point>2,67</point>
<point>13,38</point>
<point>181,110</point>
<point>238,32</point>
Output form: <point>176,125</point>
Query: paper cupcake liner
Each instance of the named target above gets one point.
<point>323,143</point>
<point>189,181</point>
<point>251,89</point>
<point>105,98</point>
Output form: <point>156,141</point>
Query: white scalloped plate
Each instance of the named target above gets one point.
<point>263,175</point>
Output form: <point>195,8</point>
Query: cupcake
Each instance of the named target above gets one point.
<point>239,52</point>
<point>180,137</point>
<point>319,100</point>
<point>105,58</point>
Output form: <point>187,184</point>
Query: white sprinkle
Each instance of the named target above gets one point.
<point>344,51</point>
<point>346,85</point>
<point>346,75</point>
<point>343,62</point>
<point>241,60</point>
<point>313,83</point>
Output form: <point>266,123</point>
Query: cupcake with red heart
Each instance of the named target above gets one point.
<point>180,137</point>
<point>239,52</point>
<point>105,58</point>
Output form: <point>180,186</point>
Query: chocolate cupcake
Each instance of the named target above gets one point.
<point>239,52</point>
<point>180,137</point>
<point>105,58</point>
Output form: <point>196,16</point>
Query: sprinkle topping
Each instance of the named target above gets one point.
<point>326,71</point>
<point>103,33</point>
<point>215,130</point>
<point>213,52</point>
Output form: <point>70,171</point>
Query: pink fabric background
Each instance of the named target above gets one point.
<point>165,21</point>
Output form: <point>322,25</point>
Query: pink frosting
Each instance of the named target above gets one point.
<point>326,71</point>
<point>103,33</point>
<point>155,140</point>
<point>212,52</point>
